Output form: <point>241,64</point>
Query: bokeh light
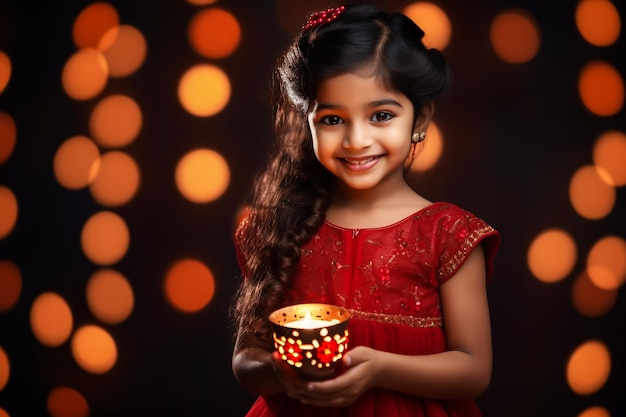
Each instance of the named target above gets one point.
<point>595,411</point>
<point>85,74</point>
<point>588,367</point>
<point>204,90</point>
<point>67,402</point>
<point>8,211</point>
<point>606,262</point>
<point>3,413</point>
<point>105,238</point>
<point>214,33</point>
<point>601,88</point>
<point>117,180</point>
<point>590,195</point>
<point>10,285</point>
<point>51,319</point>
<point>92,23</point>
<point>590,300</point>
<point>552,255</point>
<point>202,175</point>
<point>115,121</point>
<point>76,162</point>
<point>433,21</point>
<point>5,369</point>
<point>515,36</point>
<point>8,136</point>
<point>189,285</point>
<point>609,155</point>
<point>109,296</point>
<point>94,349</point>
<point>428,152</point>
<point>125,49</point>
<point>598,22</point>
<point>5,70</point>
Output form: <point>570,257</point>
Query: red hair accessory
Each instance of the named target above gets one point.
<point>323,17</point>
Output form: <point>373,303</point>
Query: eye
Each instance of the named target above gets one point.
<point>382,116</point>
<point>331,120</point>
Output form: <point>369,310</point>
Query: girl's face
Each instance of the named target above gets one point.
<point>361,130</point>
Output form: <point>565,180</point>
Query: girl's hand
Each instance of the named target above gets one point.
<point>295,386</point>
<point>360,375</point>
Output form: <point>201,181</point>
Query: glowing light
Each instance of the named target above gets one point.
<point>601,88</point>
<point>10,285</point>
<point>92,23</point>
<point>609,154</point>
<point>8,136</point>
<point>202,176</point>
<point>105,238</point>
<point>214,33</point>
<point>606,262</point>
<point>591,197</point>
<point>115,121</point>
<point>598,22</point>
<point>189,285</point>
<point>124,47</point>
<point>94,349</point>
<point>51,319</point>
<point>85,74</point>
<point>589,300</point>
<point>595,411</point>
<point>515,36</point>
<point>428,152</point>
<point>204,90</point>
<point>5,369</point>
<point>588,367</point>
<point>433,21</point>
<point>76,163</point>
<point>110,296</point>
<point>117,181</point>
<point>67,402</point>
<point>5,70</point>
<point>8,211</point>
<point>552,255</point>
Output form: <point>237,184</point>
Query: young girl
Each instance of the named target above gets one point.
<point>332,220</point>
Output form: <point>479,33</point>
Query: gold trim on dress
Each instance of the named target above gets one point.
<point>411,321</point>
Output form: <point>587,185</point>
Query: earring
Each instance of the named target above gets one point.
<point>418,137</point>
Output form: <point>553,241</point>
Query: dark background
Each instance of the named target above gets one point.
<point>514,135</point>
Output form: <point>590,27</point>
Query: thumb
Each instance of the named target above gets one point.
<point>355,356</point>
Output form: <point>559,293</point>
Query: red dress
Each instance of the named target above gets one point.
<point>389,279</point>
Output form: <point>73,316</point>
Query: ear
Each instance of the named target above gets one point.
<point>424,116</point>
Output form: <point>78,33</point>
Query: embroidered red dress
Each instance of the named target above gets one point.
<point>389,279</point>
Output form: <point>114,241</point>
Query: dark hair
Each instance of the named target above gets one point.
<point>291,196</point>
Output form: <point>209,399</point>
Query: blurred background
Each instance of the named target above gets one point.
<point>130,132</point>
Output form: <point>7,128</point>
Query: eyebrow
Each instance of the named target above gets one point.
<point>376,103</point>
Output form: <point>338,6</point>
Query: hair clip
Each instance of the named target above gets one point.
<point>322,17</point>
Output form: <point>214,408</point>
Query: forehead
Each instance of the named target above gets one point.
<point>355,88</point>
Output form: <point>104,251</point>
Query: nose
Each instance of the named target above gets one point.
<point>357,137</point>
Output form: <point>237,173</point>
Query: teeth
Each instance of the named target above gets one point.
<point>359,161</point>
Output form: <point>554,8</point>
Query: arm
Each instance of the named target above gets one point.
<point>462,371</point>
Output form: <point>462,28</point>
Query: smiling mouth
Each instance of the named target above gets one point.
<point>361,161</point>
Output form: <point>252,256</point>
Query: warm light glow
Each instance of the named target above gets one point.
<point>515,36</point>
<point>601,88</point>
<point>201,2</point>
<point>189,285</point>
<point>589,300</point>
<point>3,413</point>
<point>8,136</point>
<point>125,50</point>
<point>51,319</point>
<point>92,23</point>
<point>115,121</point>
<point>428,152</point>
<point>76,162</point>
<point>204,90</point>
<point>5,369</point>
<point>67,402</point>
<point>109,296</point>
<point>552,255</point>
<point>202,176</point>
<point>10,285</point>
<point>433,21</point>
<point>214,33</point>
<point>591,197</point>
<point>85,74</point>
<point>609,154</point>
<point>94,349</point>
<point>105,238</point>
<point>598,22</point>
<point>8,211</point>
<point>117,181</point>
<point>5,70</point>
<point>588,367</point>
<point>595,411</point>
<point>606,262</point>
